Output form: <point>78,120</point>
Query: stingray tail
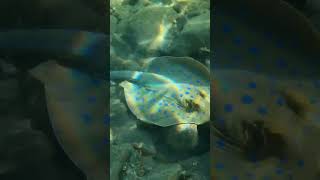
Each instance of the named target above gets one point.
<point>79,49</point>
<point>138,77</point>
<point>123,75</point>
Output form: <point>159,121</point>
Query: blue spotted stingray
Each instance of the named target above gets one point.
<point>169,91</point>
<point>76,93</point>
<point>265,92</point>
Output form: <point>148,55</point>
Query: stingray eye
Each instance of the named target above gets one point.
<point>191,106</point>
<point>202,94</point>
<point>254,137</point>
<point>260,143</point>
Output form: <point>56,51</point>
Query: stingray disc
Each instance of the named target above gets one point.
<point>168,104</point>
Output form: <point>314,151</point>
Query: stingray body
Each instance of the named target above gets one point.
<point>171,92</point>
<point>77,107</point>
<point>265,91</point>
<point>76,96</point>
<point>250,39</point>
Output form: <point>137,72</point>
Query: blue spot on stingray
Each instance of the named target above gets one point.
<point>151,101</point>
<point>187,92</point>
<point>267,35</point>
<point>219,166</point>
<point>279,171</point>
<point>226,28</point>
<point>237,40</point>
<point>87,118</point>
<point>281,63</point>
<point>105,141</point>
<point>157,69</point>
<point>234,178</point>
<point>279,44</point>
<point>258,67</point>
<point>76,73</point>
<point>246,99</point>
<point>280,101</point>
<point>283,161</point>
<point>254,50</point>
<point>106,120</point>
<point>300,163</point>
<point>252,85</point>
<point>181,95</point>
<point>220,122</point>
<point>317,83</point>
<point>266,178</point>
<point>228,108</point>
<point>250,175</point>
<point>220,144</point>
<point>293,72</point>
<point>313,100</point>
<point>141,108</point>
<point>262,110</point>
<point>253,158</point>
<point>92,99</point>
<point>96,82</point>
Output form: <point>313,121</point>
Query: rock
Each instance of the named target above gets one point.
<point>165,171</point>
<point>129,132</point>
<point>119,154</point>
<point>115,3</point>
<point>183,137</point>
<point>117,108</point>
<point>197,167</point>
<point>111,136</point>
<point>194,36</point>
<point>145,149</point>
<point>191,8</point>
<point>134,168</point>
<point>118,63</point>
<point>119,51</point>
<point>167,2</point>
<point>130,2</point>
<point>113,24</point>
<point>146,168</point>
<point>150,29</point>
